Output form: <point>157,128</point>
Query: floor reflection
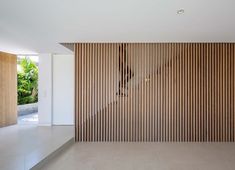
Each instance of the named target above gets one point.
<point>28,119</point>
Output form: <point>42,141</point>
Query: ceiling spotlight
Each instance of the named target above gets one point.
<point>180,11</point>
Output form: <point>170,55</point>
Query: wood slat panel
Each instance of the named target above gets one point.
<point>8,89</point>
<point>154,92</point>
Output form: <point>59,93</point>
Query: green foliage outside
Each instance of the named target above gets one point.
<point>27,82</point>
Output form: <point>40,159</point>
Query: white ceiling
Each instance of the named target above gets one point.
<point>38,26</point>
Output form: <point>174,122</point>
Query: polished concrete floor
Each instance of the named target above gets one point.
<point>145,156</point>
<point>23,146</point>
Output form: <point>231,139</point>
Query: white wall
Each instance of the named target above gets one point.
<point>63,89</point>
<point>45,89</point>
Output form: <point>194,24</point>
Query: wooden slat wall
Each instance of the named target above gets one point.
<point>178,92</point>
<point>8,89</point>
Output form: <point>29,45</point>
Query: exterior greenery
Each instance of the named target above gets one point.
<point>27,82</point>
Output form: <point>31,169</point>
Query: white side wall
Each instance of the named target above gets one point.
<point>45,89</point>
<point>63,89</point>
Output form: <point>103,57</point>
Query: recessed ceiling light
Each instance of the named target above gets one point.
<point>180,11</point>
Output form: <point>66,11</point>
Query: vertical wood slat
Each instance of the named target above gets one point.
<point>179,92</point>
<point>8,89</point>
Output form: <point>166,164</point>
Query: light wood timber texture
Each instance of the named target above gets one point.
<point>163,92</point>
<point>8,89</point>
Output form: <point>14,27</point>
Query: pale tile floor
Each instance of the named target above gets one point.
<point>145,156</point>
<point>21,146</point>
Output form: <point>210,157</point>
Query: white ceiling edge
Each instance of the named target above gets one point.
<point>34,27</point>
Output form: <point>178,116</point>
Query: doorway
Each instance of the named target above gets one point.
<point>27,90</point>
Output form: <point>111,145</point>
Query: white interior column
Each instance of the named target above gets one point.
<point>63,89</point>
<point>45,90</point>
